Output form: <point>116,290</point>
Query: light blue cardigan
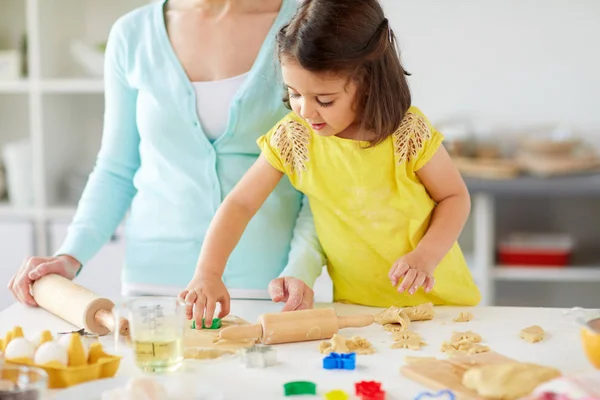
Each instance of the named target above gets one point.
<point>156,162</point>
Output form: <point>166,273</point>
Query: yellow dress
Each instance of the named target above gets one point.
<point>369,208</point>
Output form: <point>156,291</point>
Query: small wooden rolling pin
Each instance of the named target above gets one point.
<point>296,326</point>
<point>77,305</point>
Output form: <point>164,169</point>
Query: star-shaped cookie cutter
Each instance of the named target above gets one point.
<point>259,356</point>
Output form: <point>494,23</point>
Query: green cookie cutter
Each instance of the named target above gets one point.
<point>216,324</point>
<point>299,388</point>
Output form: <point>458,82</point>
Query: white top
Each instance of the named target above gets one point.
<point>213,100</point>
<point>498,326</point>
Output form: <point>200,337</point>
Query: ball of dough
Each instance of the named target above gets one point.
<point>51,351</point>
<point>508,381</point>
<point>19,348</point>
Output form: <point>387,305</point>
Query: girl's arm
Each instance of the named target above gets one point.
<point>232,217</point>
<point>223,235</point>
<point>447,188</point>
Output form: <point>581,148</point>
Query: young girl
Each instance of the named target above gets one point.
<point>388,203</point>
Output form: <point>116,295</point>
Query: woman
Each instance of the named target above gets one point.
<point>190,86</point>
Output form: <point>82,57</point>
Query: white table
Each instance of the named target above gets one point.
<point>498,326</point>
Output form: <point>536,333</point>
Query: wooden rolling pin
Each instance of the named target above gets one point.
<point>77,305</point>
<point>296,326</point>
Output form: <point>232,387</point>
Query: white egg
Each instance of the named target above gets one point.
<point>36,339</point>
<point>65,340</point>
<point>147,388</point>
<point>51,351</point>
<point>18,348</point>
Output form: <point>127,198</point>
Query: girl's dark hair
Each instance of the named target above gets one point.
<point>352,37</point>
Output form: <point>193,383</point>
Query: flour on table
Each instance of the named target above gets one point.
<point>463,317</point>
<point>532,334</point>
<point>205,354</point>
<point>507,381</point>
<point>340,344</point>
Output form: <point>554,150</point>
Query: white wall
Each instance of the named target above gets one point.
<point>503,62</point>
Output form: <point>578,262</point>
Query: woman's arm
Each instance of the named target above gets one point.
<point>239,207</point>
<point>109,191</point>
<point>305,263</point>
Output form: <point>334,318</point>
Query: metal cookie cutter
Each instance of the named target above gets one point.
<point>259,356</point>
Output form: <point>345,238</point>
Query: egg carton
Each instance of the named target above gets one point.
<point>67,361</point>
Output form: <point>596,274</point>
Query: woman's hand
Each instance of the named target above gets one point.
<point>36,267</point>
<point>295,293</point>
<point>202,295</point>
<point>416,269</point>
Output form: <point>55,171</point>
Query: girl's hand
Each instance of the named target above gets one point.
<point>416,270</point>
<point>202,293</point>
<point>295,293</point>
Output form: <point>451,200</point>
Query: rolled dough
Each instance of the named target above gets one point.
<point>463,317</point>
<point>532,334</point>
<point>507,381</point>
<point>340,344</point>
<point>422,312</point>
<point>467,336</point>
<point>413,360</point>
<point>397,336</point>
<point>407,340</point>
<point>413,343</point>
<point>394,327</point>
<point>205,343</point>
<point>393,315</point>
<point>464,343</point>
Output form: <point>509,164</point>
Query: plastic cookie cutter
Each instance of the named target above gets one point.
<point>440,394</point>
<point>259,356</point>
<point>299,388</point>
<point>336,395</point>
<point>369,390</point>
<point>216,324</point>
<point>340,361</point>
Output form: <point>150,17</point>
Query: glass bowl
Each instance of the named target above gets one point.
<point>22,383</point>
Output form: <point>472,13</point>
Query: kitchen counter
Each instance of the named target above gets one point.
<point>583,185</point>
<point>498,326</point>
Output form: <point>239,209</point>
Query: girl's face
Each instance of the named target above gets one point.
<point>325,101</point>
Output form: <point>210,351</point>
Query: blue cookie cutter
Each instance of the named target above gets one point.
<point>340,361</point>
<point>439,394</point>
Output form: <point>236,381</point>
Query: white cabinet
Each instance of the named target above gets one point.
<point>102,274</point>
<point>16,244</point>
